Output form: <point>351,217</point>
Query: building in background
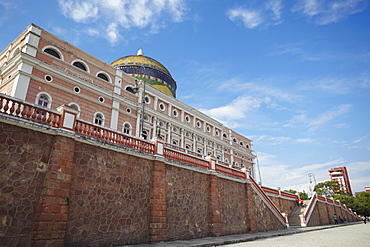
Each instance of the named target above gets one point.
<point>135,95</point>
<point>340,175</point>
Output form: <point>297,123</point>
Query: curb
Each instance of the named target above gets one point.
<point>239,238</point>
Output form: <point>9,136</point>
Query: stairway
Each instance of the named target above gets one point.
<point>294,219</point>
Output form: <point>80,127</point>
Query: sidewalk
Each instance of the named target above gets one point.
<point>231,239</point>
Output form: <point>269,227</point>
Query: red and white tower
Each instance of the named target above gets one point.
<point>340,175</point>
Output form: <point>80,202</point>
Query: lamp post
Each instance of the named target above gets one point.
<point>136,89</point>
<point>159,131</point>
<point>310,176</point>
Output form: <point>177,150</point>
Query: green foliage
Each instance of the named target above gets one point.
<point>291,191</point>
<point>360,203</point>
<point>303,195</point>
<point>328,188</point>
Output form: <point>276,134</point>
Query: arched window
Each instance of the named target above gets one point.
<point>80,65</point>
<point>126,129</point>
<point>55,52</point>
<point>103,76</point>
<point>43,99</point>
<point>99,119</point>
<point>52,52</point>
<point>131,90</point>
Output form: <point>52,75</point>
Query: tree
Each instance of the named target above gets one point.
<point>291,191</point>
<point>327,188</point>
<point>359,203</point>
<point>303,195</point>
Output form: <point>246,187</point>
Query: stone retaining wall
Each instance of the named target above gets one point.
<point>59,190</point>
<point>323,214</point>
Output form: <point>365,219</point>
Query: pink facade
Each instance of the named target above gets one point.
<point>42,69</point>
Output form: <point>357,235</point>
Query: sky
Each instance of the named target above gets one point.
<point>293,76</point>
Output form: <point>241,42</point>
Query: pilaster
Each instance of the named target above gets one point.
<point>215,224</point>
<point>158,216</point>
<point>251,209</point>
<point>51,217</point>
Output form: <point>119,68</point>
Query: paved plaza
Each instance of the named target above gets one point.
<point>357,235</point>
<point>351,234</point>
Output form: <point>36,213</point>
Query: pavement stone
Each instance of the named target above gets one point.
<point>232,239</point>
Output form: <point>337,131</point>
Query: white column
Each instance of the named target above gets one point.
<point>138,119</point>
<point>169,133</point>
<point>154,130</point>
<point>182,138</point>
<point>169,109</point>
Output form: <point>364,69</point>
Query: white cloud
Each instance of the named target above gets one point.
<point>92,31</point>
<point>328,116</point>
<point>119,15</point>
<point>336,85</point>
<point>79,11</point>
<point>276,7</point>
<point>250,18</point>
<point>273,140</point>
<point>260,87</point>
<point>235,110</point>
<point>323,12</point>
<point>276,174</point>
<point>268,13</point>
<point>113,33</point>
<point>321,120</point>
<point>305,140</point>
<point>8,4</point>
<point>361,139</point>
<point>313,167</point>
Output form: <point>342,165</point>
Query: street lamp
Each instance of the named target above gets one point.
<point>310,176</point>
<point>136,89</point>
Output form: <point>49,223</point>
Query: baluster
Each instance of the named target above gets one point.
<point>12,108</point>
<point>77,127</point>
<point>18,111</point>
<point>1,103</point>
<point>25,112</point>
<point>49,120</point>
<point>89,130</point>
<point>85,129</point>
<point>44,117</point>
<point>6,107</point>
<point>39,115</point>
<point>56,121</point>
<point>33,116</point>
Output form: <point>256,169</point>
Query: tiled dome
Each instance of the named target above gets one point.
<point>149,70</point>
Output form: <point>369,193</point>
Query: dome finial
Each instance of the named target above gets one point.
<point>140,51</point>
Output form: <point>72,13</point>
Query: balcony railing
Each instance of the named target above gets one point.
<point>19,109</point>
<point>110,136</point>
<point>30,112</point>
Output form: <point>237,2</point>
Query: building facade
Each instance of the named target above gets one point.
<point>134,95</point>
<point>340,175</point>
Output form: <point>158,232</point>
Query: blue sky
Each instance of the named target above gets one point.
<point>291,75</point>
